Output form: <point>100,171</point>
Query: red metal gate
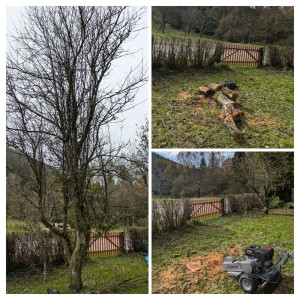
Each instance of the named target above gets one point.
<point>107,244</point>
<point>242,55</point>
<point>206,208</point>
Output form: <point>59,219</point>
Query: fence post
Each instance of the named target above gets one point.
<point>122,242</point>
<point>222,206</point>
<point>260,57</point>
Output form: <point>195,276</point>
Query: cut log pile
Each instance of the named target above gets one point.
<point>230,112</point>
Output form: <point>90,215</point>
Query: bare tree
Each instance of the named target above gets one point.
<point>264,173</point>
<point>60,100</point>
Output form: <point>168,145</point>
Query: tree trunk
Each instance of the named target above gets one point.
<point>229,115</point>
<point>267,201</point>
<point>45,261</point>
<point>76,261</point>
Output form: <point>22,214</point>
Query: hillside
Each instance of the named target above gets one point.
<point>260,25</point>
<point>18,163</point>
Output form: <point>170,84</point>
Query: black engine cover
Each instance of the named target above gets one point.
<point>262,254</point>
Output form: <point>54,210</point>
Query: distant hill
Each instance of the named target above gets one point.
<point>18,163</point>
<point>164,174</point>
<point>156,156</point>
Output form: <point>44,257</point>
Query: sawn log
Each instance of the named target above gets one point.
<point>229,115</point>
<point>229,93</point>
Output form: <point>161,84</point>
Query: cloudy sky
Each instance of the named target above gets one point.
<point>172,155</point>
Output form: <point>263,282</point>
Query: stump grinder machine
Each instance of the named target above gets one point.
<point>256,267</point>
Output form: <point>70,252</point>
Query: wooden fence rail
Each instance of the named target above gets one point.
<point>108,243</point>
<point>242,55</point>
<point>206,208</point>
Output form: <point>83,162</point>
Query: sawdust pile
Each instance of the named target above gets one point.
<point>183,96</point>
<point>188,272</point>
<point>256,123</point>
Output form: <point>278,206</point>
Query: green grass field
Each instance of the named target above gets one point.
<point>107,275</point>
<point>14,225</point>
<point>176,33</point>
<point>209,242</point>
<point>179,33</point>
<point>181,120</point>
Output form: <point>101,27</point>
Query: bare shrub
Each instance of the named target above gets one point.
<point>231,204</point>
<point>27,250</point>
<point>176,53</point>
<point>138,239</point>
<point>280,57</point>
<point>170,214</point>
<point>242,202</point>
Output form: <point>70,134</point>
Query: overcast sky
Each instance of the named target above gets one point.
<point>172,155</point>
<point>139,45</point>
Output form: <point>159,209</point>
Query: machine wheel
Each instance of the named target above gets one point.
<point>248,283</point>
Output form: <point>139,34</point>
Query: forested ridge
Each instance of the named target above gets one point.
<point>203,174</point>
<point>237,24</point>
<point>206,177</point>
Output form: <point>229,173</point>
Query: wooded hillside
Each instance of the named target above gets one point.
<point>202,174</point>
<point>237,24</point>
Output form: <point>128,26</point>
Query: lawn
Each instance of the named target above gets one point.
<point>14,225</point>
<point>176,33</point>
<point>209,242</point>
<point>181,120</point>
<point>171,32</point>
<point>107,275</point>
